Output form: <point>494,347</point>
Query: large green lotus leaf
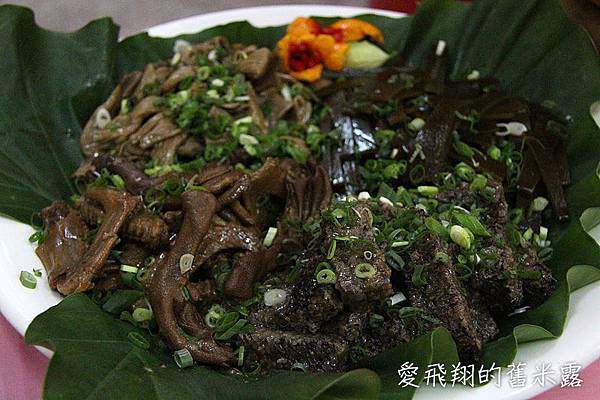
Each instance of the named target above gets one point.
<point>55,80</point>
<point>95,360</point>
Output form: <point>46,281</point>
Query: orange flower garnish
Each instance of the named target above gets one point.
<point>307,47</point>
<point>356,29</point>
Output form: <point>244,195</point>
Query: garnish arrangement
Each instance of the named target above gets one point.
<point>334,198</point>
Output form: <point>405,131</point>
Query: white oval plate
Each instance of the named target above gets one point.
<point>580,342</point>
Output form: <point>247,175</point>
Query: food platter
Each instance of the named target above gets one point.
<point>21,305</point>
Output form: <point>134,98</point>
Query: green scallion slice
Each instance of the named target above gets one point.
<point>185,293</point>
<point>240,353</point>
<point>323,265</point>
<point>28,279</point>
<point>376,320</point>
<point>211,318</point>
<point>129,268</point>
<point>326,277</point>
<point>183,358</point>
<point>142,314</point>
<point>299,367</point>
<point>186,262</point>
<point>137,339</point>
<point>441,257</point>
<point>270,236</point>
<point>142,274</point>
<point>416,124</point>
<point>331,251</point>
<point>428,191</point>
<point>460,236</point>
<point>364,270</point>
<point>479,182</point>
<point>117,181</point>
<point>539,204</point>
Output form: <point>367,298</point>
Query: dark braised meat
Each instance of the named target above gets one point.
<point>284,350</point>
<point>350,245</point>
<point>261,222</point>
<point>441,296</point>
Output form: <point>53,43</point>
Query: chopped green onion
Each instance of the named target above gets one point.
<point>37,236</point>
<point>516,215</point>
<point>464,171</point>
<point>138,340</point>
<point>142,314</point>
<point>479,182</point>
<point>326,277</point>
<point>471,223</point>
<point>117,181</point>
<point>129,268</point>
<point>545,254</point>
<point>473,75</point>
<point>271,233</point>
<point>247,140</point>
<point>368,254</point>
<point>397,298</point>
<point>149,261</point>
<point>183,358</point>
<point>331,250</point>
<point>186,262</point>
<point>416,124</point>
<point>244,120</point>
<point>417,173</point>
<point>417,152</point>
<point>345,238</point>
<point>376,320</point>
<point>251,150</point>
<point>103,118</point>
<point>463,149</point>
<point>185,293</point>
<point>400,243</point>
<point>441,257</point>
<point>211,318</point>
<point>460,236</point>
<point>126,106</point>
<point>364,196</point>
<point>299,367</point>
<point>539,204</point>
<point>323,265</point>
<point>428,191</point>
<point>212,93</point>
<point>203,72</point>
<point>385,201</point>
<point>338,213</point>
<point>394,260</point>
<point>37,272</point>
<point>436,227</point>
<point>28,280</point>
<point>217,82</point>
<point>364,270</point>
<point>176,59</point>
<point>417,276</point>
<point>240,353</point>
<point>274,297</point>
<point>528,234</point>
<point>543,233</point>
<point>142,274</point>
<point>495,153</point>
